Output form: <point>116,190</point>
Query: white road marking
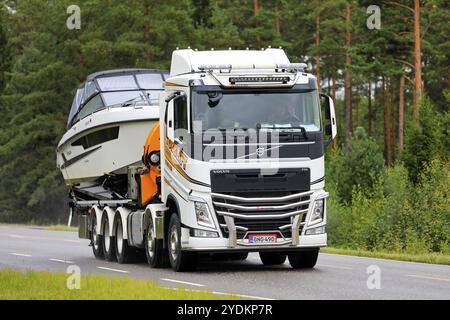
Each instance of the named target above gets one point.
<point>241,295</point>
<point>63,261</point>
<point>115,270</point>
<point>17,236</point>
<point>75,241</point>
<point>189,290</point>
<point>429,277</point>
<point>184,282</point>
<point>20,254</point>
<point>334,266</point>
<point>217,293</point>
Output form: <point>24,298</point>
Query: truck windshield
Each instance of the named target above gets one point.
<point>287,111</point>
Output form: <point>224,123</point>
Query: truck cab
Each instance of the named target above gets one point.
<point>242,138</point>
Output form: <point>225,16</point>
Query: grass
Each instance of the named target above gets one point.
<point>61,227</point>
<point>36,285</point>
<point>54,227</point>
<point>435,258</point>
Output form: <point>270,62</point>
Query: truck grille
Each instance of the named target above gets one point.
<point>261,211</point>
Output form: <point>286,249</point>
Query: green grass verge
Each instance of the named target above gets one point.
<point>435,258</point>
<point>61,227</point>
<point>34,285</point>
<point>55,227</point>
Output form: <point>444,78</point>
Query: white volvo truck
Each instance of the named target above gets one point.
<point>235,165</point>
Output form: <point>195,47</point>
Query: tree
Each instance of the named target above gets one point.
<point>388,120</point>
<point>49,61</point>
<point>360,167</point>
<point>347,78</point>
<point>4,57</point>
<point>423,142</point>
<point>218,30</point>
<point>374,76</point>
<point>417,66</point>
<point>435,47</point>
<point>401,108</point>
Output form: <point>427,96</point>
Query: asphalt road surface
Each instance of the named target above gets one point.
<point>334,277</point>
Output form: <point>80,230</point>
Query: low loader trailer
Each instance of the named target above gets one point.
<point>234,165</point>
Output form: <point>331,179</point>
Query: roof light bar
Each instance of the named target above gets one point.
<point>292,66</point>
<point>214,66</point>
<point>234,80</point>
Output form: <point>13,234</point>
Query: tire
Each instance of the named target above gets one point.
<point>303,259</point>
<point>272,258</point>
<point>96,240</point>
<point>122,249</point>
<point>108,242</point>
<point>154,250</point>
<point>179,260</point>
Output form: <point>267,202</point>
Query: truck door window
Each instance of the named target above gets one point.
<point>180,115</point>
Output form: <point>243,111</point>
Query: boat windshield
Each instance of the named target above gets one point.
<point>116,91</point>
<point>117,98</point>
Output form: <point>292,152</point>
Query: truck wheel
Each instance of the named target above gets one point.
<point>108,241</point>
<point>179,260</point>
<point>303,259</point>
<point>123,250</point>
<point>154,249</point>
<point>96,240</point>
<point>272,258</point>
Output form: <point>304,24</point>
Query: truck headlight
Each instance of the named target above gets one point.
<point>203,215</point>
<point>318,211</point>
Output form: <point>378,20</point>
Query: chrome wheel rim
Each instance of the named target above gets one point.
<point>150,241</point>
<point>119,238</point>
<point>173,243</point>
<point>94,236</point>
<point>106,236</point>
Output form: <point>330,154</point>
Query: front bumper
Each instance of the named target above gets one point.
<point>234,240</point>
<point>307,242</point>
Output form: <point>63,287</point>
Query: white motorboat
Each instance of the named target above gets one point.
<point>111,116</point>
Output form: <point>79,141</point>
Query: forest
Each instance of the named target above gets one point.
<point>385,63</point>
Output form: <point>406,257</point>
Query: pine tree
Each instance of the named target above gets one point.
<point>217,30</point>
<point>4,57</point>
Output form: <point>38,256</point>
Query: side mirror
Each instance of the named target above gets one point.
<point>330,116</point>
<point>214,98</point>
<point>170,131</point>
<point>169,116</point>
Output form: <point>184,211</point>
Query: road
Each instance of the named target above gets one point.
<point>334,277</point>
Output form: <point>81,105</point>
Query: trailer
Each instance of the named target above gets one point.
<point>234,165</point>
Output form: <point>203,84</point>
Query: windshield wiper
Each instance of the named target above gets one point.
<point>130,102</point>
<point>284,129</point>
<point>302,129</point>
<point>232,130</point>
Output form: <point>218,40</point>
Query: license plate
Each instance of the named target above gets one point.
<point>262,238</point>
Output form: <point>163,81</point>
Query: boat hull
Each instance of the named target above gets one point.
<point>105,143</point>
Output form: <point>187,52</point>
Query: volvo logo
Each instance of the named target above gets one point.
<point>260,152</point>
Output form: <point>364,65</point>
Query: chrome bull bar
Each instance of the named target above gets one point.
<point>244,208</point>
